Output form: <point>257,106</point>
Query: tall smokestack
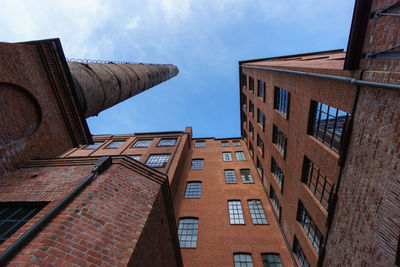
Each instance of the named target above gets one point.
<point>103,85</point>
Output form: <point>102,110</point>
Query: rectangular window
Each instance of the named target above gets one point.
<point>244,135</point>
<point>279,139</point>
<point>135,157</point>
<point>230,177</point>
<point>251,149</point>
<point>271,260</point>
<point>13,215</point>
<point>251,129</point>
<point>327,124</point>
<point>240,156</point>
<point>278,174</point>
<point>260,118</point>
<point>251,108</point>
<point>244,80</point>
<point>251,84</point>
<point>281,100</point>
<point>246,176</point>
<point>317,183</point>
<point>299,253</point>
<point>167,142</point>
<point>224,143</point>
<point>226,156</point>
<point>244,118</point>
<point>114,144</point>
<point>197,164</point>
<point>236,143</point>
<point>257,211</point>
<point>157,160</point>
<point>309,227</point>
<point>275,201</point>
<point>244,101</point>
<point>193,190</point>
<point>187,232</point>
<point>93,146</point>
<point>143,143</point>
<point>242,260</point>
<point>261,90</point>
<point>200,143</point>
<point>260,144</point>
<point>235,212</point>
<point>260,168</point>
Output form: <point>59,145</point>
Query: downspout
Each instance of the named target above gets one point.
<point>101,164</point>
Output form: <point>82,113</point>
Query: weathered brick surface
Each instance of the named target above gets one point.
<point>101,226</point>
<point>217,239</point>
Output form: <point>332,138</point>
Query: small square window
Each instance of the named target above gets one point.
<point>257,212</point>
<point>157,160</point>
<point>271,260</point>
<point>240,156</point>
<point>114,144</point>
<point>225,143</point>
<point>236,143</point>
<point>226,156</point>
<point>93,146</point>
<point>200,143</point>
<point>242,260</point>
<point>143,143</point>
<point>193,190</point>
<point>167,142</point>
<point>230,177</point>
<point>197,164</point>
<point>246,176</point>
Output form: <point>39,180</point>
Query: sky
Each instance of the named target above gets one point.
<point>204,38</point>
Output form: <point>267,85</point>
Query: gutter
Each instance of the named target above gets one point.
<point>101,164</point>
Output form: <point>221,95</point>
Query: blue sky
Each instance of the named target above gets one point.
<point>205,39</point>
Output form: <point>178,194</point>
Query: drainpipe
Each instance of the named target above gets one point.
<point>101,164</point>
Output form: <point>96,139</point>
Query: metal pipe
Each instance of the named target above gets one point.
<point>330,77</point>
<point>102,164</point>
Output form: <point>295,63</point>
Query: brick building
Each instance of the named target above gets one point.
<point>312,181</point>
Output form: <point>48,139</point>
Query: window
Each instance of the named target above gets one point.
<point>242,260</point>
<point>279,139</point>
<point>251,84</point>
<point>251,129</point>
<point>257,212</point>
<point>201,143</point>
<point>236,143</point>
<point>271,260</point>
<point>235,212</point>
<point>93,146</point>
<point>281,100</point>
<point>224,143</point>
<point>278,174</point>
<point>187,232</point>
<point>251,149</point>
<point>143,143</point>
<point>309,226</point>
<point>244,100</point>
<point>114,144</point>
<point>135,157</point>
<point>260,118</point>
<point>14,215</point>
<point>197,164</point>
<point>260,144</point>
<point>327,124</point>
<point>157,160</point>
<point>193,190</point>
<point>260,168</point>
<point>246,176</point>
<point>230,177</point>
<point>261,90</point>
<point>317,183</point>
<point>244,117</point>
<point>251,107</point>
<point>240,156</point>
<point>226,156</point>
<point>244,136</point>
<point>244,80</point>
<point>275,201</point>
<point>299,253</point>
<point>167,142</point>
